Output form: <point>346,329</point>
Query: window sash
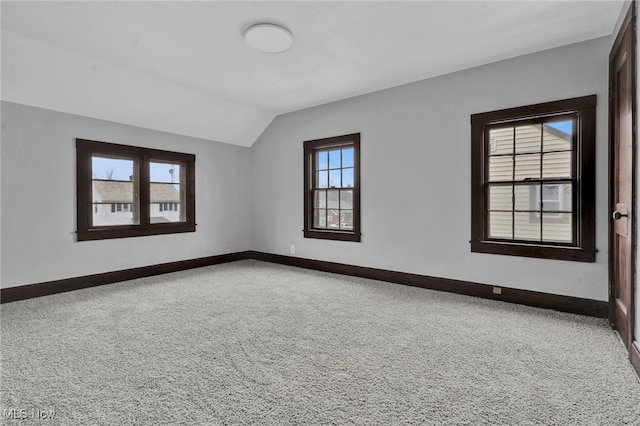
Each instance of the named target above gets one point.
<point>538,214</point>
<point>535,156</point>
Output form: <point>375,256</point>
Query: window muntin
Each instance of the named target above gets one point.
<point>332,193</point>
<point>533,180</point>
<point>119,186</point>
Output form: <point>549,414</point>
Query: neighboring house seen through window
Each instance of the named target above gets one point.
<point>533,180</point>
<point>332,188</point>
<point>122,191</point>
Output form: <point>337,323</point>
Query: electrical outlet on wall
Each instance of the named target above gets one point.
<point>292,249</point>
<point>497,290</point>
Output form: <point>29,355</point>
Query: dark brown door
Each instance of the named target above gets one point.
<point>621,69</point>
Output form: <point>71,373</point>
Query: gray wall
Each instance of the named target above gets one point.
<point>416,172</point>
<point>39,200</point>
<point>415,182</point>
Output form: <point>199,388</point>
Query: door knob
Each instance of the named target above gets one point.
<point>617,215</point>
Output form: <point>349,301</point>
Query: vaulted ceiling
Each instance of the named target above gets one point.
<point>184,67</point>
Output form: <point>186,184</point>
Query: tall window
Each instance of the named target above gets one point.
<point>121,190</point>
<point>332,188</point>
<point>533,180</point>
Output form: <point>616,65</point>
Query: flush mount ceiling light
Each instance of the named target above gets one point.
<point>269,38</point>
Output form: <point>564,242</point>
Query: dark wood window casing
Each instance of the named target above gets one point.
<point>551,213</point>
<point>139,185</point>
<point>332,188</point>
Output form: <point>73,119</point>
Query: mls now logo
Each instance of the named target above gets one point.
<point>15,413</point>
<point>23,414</point>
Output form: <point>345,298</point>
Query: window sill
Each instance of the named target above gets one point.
<point>575,254</point>
<point>134,231</point>
<point>332,235</point>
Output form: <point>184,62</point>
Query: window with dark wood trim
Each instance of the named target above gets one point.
<point>120,189</point>
<point>533,180</point>
<point>332,188</point>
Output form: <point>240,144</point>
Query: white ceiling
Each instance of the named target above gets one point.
<point>183,67</point>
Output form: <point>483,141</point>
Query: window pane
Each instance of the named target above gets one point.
<point>346,199</point>
<point>556,227</point>
<point>500,197</point>
<point>107,168</point>
<point>320,218</point>
<point>334,179</point>
<point>557,197</point>
<point>159,209</point>
<point>347,157</point>
<point>320,199</point>
<point>164,172</point>
<point>551,192</point>
<point>556,164</point>
<point>499,225</point>
<point>501,141</point>
<point>165,191</point>
<point>527,197</point>
<point>113,185</point>
<point>500,168</point>
<point>333,218</point>
<point>333,199</point>
<point>334,159</point>
<point>347,178</point>
<point>322,160</point>
<point>527,166</point>
<point>528,138</point>
<point>346,220</point>
<point>551,197</point>
<point>558,135</point>
<point>322,179</point>
<point>527,227</point>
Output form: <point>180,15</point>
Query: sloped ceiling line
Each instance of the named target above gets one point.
<point>183,67</point>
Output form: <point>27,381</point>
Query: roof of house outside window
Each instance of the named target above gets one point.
<point>117,191</point>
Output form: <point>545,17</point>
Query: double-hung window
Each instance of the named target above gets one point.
<point>533,180</point>
<point>121,191</point>
<point>332,188</point>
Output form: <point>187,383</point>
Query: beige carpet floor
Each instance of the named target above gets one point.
<point>256,343</point>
